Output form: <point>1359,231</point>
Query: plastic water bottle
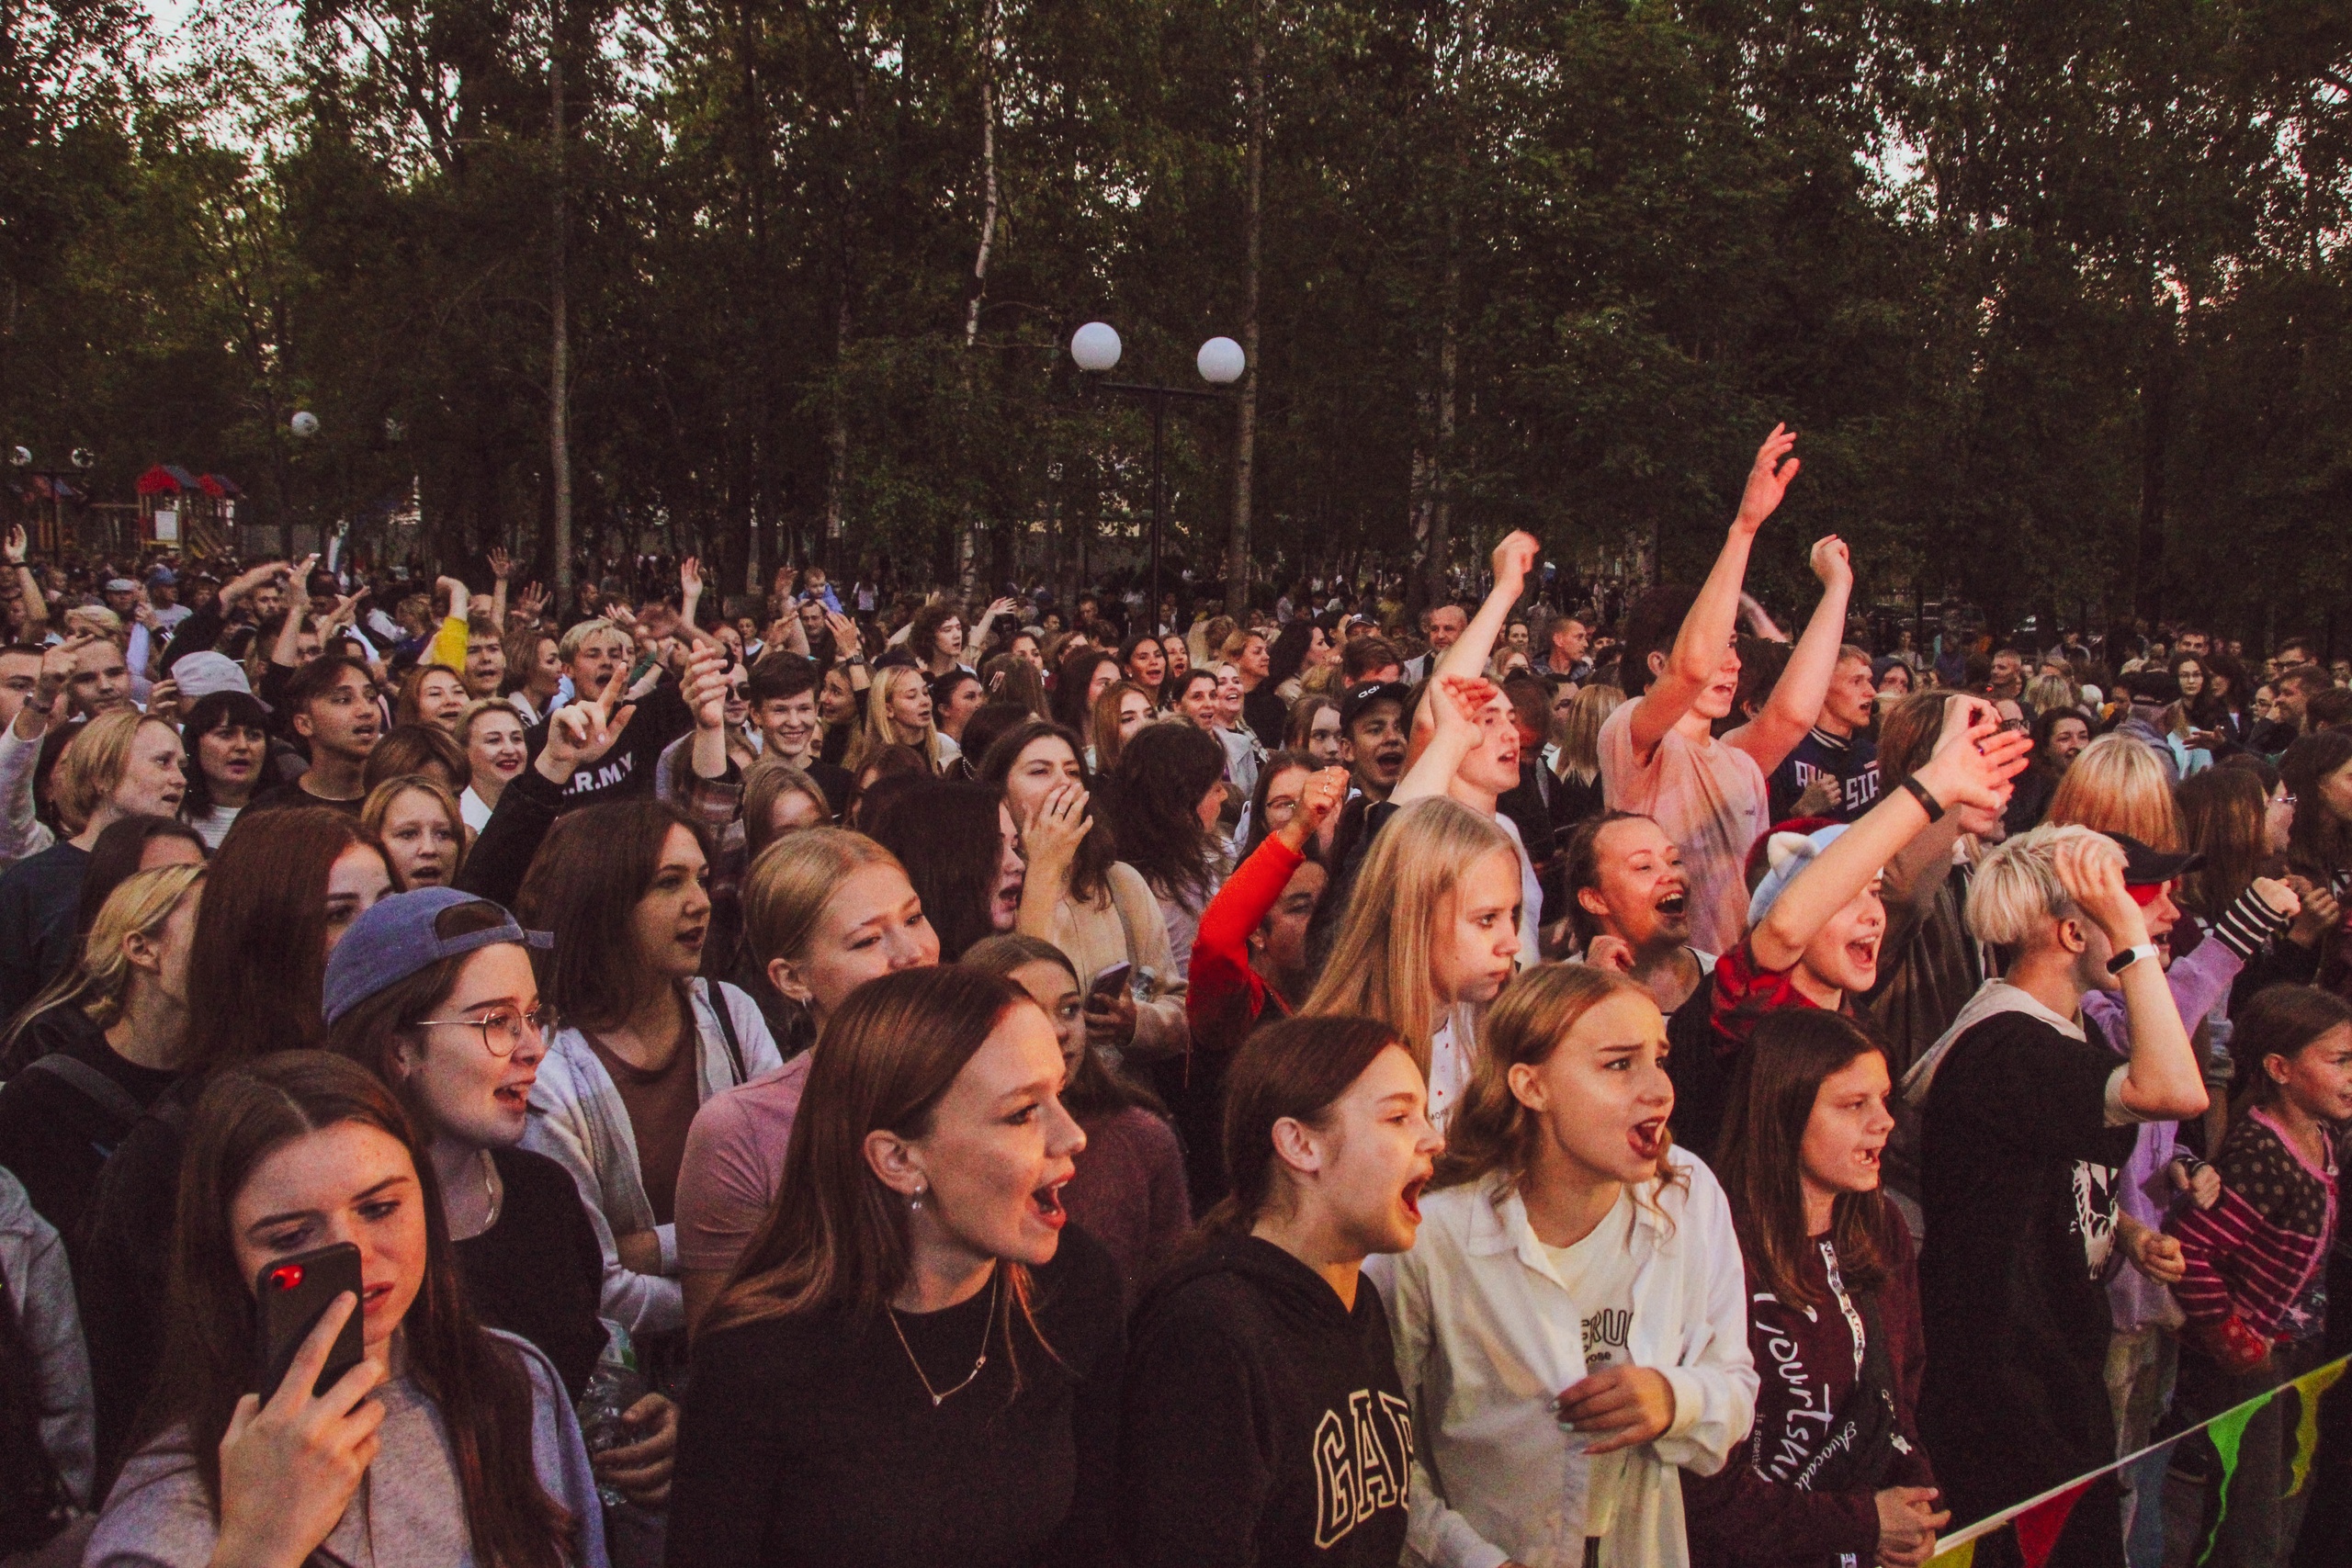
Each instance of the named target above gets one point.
<point>614,1389</point>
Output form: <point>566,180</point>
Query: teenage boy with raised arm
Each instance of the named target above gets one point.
<point>1658,753</point>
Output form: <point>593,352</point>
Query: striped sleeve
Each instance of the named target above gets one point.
<point>2248,924</point>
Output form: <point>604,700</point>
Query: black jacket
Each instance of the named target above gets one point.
<point>1264,1423</point>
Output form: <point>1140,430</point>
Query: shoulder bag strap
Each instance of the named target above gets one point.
<point>109,1096</point>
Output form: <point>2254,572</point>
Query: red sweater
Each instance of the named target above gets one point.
<point>1226,996</point>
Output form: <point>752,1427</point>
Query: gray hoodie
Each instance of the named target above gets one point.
<point>407,1513</point>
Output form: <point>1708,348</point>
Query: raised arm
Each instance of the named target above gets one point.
<point>1707,630</point>
<point>1973,765</point>
<point>2161,1080</point>
<point>502,566</point>
<point>36,622</point>
<point>1513,559</point>
<point>1795,703</point>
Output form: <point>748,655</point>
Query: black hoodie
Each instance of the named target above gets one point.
<point>1264,1423</point>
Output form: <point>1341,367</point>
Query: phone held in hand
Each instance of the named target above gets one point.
<point>290,1295</point>
<point>1110,983</point>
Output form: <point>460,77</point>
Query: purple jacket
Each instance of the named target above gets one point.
<point>2200,983</point>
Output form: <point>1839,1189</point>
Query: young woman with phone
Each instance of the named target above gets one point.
<point>447,1443</point>
<point>277,899</point>
<point>914,1361</point>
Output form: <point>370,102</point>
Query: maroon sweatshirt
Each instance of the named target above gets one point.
<point>1806,1361</point>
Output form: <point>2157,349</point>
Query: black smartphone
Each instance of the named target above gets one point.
<point>1111,982</point>
<point>291,1295</point>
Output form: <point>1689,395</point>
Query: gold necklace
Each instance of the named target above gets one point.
<point>939,1397</point>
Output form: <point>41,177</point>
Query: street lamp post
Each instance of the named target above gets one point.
<point>1095,346</point>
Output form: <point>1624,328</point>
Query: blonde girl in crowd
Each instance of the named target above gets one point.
<point>898,713</point>
<point>491,730</point>
<point>824,911</point>
<point>422,828</point>
<point>1431,936</point>
<point>1571,1324</point>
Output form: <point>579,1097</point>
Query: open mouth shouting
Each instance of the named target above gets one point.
<point>1046,1205</point>
<point>1862,952</point>
<point>1412,1197</point>
<point>1675,904</point>
<point>1645,1138</point>
<point>514,1098</point>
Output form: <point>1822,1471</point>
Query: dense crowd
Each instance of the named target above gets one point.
<point>1572,1078</point>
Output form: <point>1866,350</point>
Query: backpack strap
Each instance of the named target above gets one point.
<point>109,1096</point>
<point>718,991</point>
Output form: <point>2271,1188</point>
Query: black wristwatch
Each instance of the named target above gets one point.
<point>1928,803</point>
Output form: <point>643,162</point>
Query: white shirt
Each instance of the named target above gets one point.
<point>1599,1273</point>
<point>1488,1335</point>
<point>1531,898</point>
<point>474,809</point>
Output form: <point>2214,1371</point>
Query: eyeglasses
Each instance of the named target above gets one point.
<point>502,1030</point>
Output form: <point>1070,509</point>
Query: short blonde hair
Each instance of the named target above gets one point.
<point>2015,892</point>
<point>2117,786</point>
<point>93,763</point>
<point>473,710</point>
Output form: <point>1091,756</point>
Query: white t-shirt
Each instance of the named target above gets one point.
<point>1598,1272</point>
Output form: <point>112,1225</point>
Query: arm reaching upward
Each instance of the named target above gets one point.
<point>1707,630</point>
<point>1795,703</point>
<point>1973,765</point>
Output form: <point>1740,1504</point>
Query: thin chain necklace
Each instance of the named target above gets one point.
<point>939,1396</point>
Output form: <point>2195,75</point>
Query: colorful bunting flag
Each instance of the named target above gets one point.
<point>2309,1387</point>
<point>2040,1520</point>
<point>1960,1556</point>
<point>2040,1526</point>
<point>2226,1432</point>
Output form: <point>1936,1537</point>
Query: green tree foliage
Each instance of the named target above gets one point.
<point>2056,295</point>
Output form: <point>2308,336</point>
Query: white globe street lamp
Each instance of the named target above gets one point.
<point>1095,346</point>
<point>1221,362</point>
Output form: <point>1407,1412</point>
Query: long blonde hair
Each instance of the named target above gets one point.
<point>880,731</point>
<point>1579,731</point>
<point>2115,786</point>
<point>1493,1132</point>
<point>1384,963</point>
<point>99,981</point>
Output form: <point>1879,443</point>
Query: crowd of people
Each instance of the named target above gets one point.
<point>1574,1078</point>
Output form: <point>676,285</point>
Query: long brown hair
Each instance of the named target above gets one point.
<point>1293,1070</point>
<point>583,886</point>
<point>2222,813</point>
<point>479,1383</point>
<point>1757,1153</point>
<point>1089,870</point>
<point>1093,1089</point>
<point>1492,1132</point>
<point>835,1236</point>
<point>257,964</point>
<point>2320,843</point>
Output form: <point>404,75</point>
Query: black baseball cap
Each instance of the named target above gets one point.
<point>2144,867</point>
<point>1351,706</point>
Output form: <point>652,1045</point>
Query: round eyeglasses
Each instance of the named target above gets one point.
<point>502,1029</point>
